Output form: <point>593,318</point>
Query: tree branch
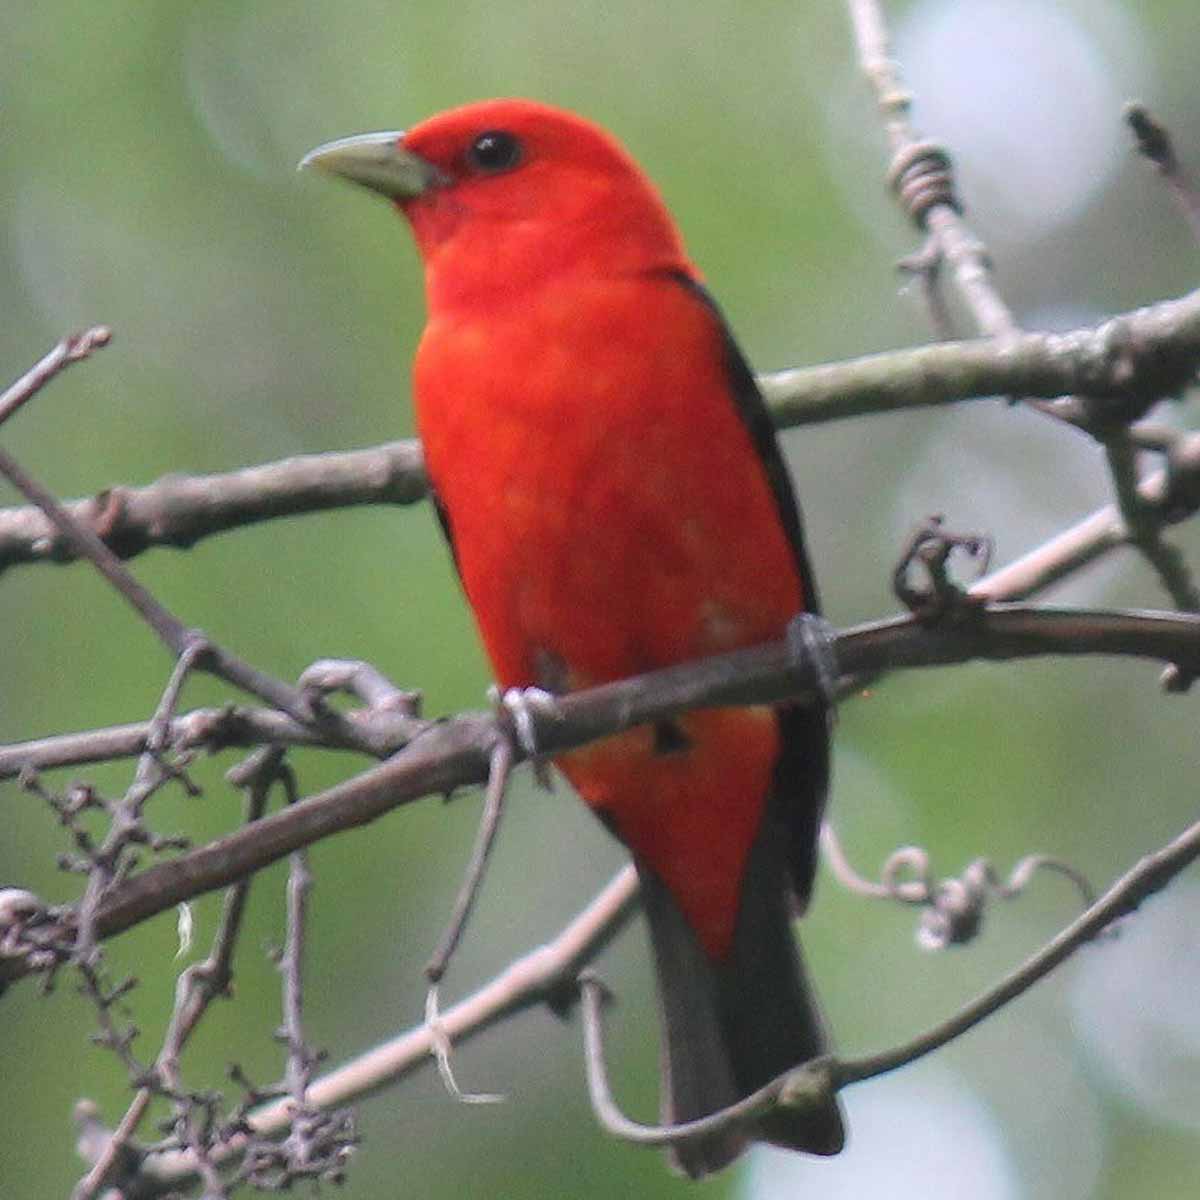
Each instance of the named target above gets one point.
<point>457,753</point>
<point>72,349</point>
<point>922,176</point>
<point>1154,349</point>
<point>813,1082</point>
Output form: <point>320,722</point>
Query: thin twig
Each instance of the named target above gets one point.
<point>72,349</point>
<point>112,1158</point>
<point>203,982</point>
<point>1144,526</point>
<point>317,1143</point>
<point>362,680</point>
<point>1099,533</point>
<point>499,770</point>
<point>933,206</point>
<point>378,732</point>
<point>177,637</point>
<point>291,967</point>
<point>593,996</point>
<point>126,827</point>
<point>925,267</point>
<point>196,988</point>
<point>1154,144</point>
<point>171,631</point>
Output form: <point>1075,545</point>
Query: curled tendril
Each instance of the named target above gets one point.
<point>952,909</point>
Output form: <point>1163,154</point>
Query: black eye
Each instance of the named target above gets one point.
<point>494,151</point>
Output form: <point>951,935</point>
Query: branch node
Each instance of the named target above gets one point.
<point>441,1046</point>
<point>588,981</point>
<point>925,266</point>
<point>922,176</point>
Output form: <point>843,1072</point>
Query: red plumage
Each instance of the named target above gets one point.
<point>617,503</point>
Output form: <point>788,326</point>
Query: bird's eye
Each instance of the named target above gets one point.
<point>494,151</point>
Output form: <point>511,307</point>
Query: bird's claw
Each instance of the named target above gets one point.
<point>523,708</point>
<point>812,641</point>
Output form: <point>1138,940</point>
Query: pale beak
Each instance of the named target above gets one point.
<point>377,161</point>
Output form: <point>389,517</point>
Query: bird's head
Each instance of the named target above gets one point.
<point>504,193</point>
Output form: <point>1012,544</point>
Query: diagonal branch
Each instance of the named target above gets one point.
<point>457,753</point>
<point>813,1082</point>
<point>545,974</point>
<point>72,349</point>
<point>923,179</point>
<point>174,634</point>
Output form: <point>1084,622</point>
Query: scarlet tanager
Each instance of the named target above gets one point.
<point>615,500</point>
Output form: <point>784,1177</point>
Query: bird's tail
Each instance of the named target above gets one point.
<point>729,1027</point>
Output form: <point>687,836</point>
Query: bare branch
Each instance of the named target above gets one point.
<point>594,995</point>
<point>170,630</point>
<point>317,1142</point>
<point>72,349</point>
<point>180,510</point>
<point>921,172</point>
<point>197,987</point>
<point>1171,493</point>
<point>1154,349</point>
<point>499,769</point>
<point>922,176</point>
<point>1143,526</point>
<point>378,732</point>
<point>178,638</point>
<point>456,753</point>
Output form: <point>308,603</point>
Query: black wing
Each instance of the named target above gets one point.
<point>802,773</point>
<point>444,521</point>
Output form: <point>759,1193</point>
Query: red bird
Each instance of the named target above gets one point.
<point>609,480</point>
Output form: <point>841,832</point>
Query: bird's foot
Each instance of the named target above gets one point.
<point>813,643</point>
<point>523,708</point>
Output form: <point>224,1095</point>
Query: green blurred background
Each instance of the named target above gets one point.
<point>146,180</point>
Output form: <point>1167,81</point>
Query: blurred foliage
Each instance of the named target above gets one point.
<point>146,180</point>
